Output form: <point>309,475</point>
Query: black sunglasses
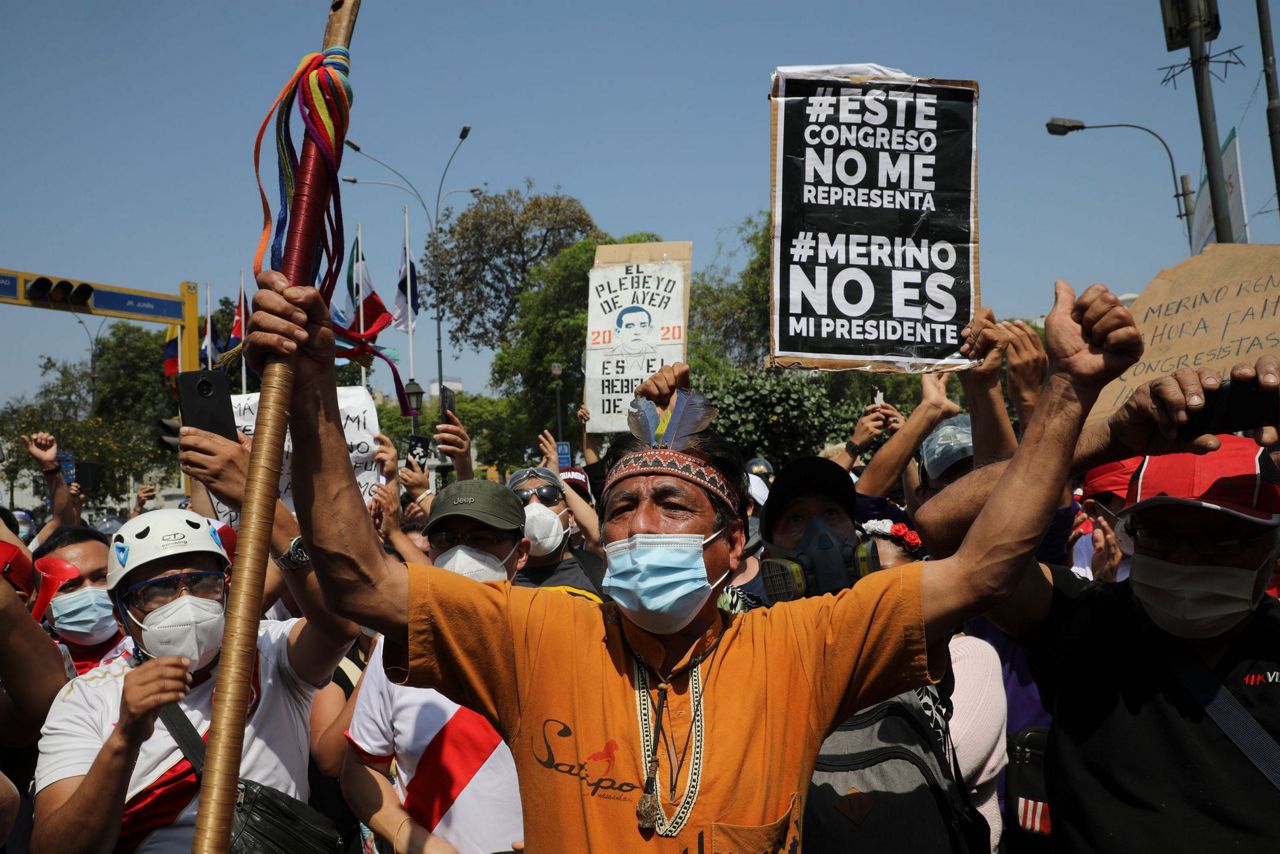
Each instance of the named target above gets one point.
<point>546,494</point>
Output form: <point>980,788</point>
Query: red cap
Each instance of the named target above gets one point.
<point>15,567</point>
<point>1112,478</point>
<point>577,478</point>
<point>1239,478</point>
<point>228,537</point>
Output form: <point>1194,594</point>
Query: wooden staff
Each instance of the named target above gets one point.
<point>218,788</point>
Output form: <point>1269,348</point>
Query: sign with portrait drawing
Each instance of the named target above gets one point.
<point>637,322</point>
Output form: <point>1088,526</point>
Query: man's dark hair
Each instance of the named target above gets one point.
<point>714,450</point>
<point>10,521</point>
<point>69,535</point>
<point>631,309</point>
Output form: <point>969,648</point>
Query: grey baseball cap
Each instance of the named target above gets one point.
<point>949,443</point>
<point>538,472</point>
<point>487,502</point>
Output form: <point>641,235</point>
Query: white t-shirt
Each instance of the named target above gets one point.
<point>122,647</point>
<point>454,774</point>
<point>276,741</point>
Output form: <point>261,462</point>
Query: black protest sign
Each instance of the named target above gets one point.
<point>875,241</point>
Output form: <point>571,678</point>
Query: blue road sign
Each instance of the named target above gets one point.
<point>67,462</point>
<point>159,308</point>
<point>8,286</point>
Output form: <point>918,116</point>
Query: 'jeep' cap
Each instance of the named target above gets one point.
<point>487,502</point>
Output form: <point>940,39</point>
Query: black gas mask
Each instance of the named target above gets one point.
<point>823,563</point>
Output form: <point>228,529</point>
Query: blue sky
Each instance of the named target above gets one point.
<point>125,157</point>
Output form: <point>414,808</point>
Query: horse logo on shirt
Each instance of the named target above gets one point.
<point>601,785</point>
<point>606,756</point>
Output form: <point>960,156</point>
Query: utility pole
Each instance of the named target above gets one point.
<point>1273,88</point>
<point>1195,12</point>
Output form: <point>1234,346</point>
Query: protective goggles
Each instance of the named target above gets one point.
<point>148,595</point>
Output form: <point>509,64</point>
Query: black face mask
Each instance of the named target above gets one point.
<point>824,563</point>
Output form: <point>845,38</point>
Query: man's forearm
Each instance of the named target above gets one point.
<point>201,500</point>
<point>583,514</point>
<point>372,798</point>
<point>1014,517</point>
<point>62,508</point>
<point>886,466</point>
<point>1025,405</point>
<point>993,438</point>
<point>946,517</point>
<point>350,564</point>
<point>590,447</point>
<point>406,548</point>
<point>88,822</point>
<point>303,584</point>
<point>31,668</point>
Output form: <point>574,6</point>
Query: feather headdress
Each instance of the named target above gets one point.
<point>688,414</point>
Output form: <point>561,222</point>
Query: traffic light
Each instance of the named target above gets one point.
<point>41,290</point>
<point>169,433</point>
<point>82,294</point>
<point>56,293</point>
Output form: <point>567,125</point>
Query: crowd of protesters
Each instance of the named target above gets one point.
<point>953,632</point>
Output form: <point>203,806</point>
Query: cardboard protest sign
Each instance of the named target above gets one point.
<point>875,229</point>
<point>1213,310</point>
<point>637,321</point>
<point>359,424</point>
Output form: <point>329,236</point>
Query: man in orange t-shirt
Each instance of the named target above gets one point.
<point>656,721</point>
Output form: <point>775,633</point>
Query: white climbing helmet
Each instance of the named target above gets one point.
<point>160,533</point>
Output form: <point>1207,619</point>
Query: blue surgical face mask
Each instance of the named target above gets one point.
<point>84,617</point>
<point>659,580</point>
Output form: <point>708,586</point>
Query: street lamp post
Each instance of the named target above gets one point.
<point>433,221</point>
<point>93,359</point>
<point>435,264</point>
<point>1181,193</point>
<point>413,393</point>
<point>556,370</point>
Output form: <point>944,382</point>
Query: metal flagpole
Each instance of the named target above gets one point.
<point>359,277</point>
<point>410,288</point>
<point>208,327</point>
<point>244,333</point>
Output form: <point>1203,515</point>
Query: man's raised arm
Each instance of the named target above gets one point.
<point>1145,424</point>
<point>359,580</point>
<point>1092,340</point>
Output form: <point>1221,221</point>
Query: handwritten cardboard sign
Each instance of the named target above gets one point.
<point>1215,310</point>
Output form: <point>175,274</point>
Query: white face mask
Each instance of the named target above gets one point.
<point>475,564</point>
<point>543,528</point>
<point>1196,601</point>
<point>190,626</point>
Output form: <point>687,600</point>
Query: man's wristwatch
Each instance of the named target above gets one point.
<point>295,558</point>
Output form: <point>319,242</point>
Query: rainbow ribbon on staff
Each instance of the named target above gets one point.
<point>320,87</point>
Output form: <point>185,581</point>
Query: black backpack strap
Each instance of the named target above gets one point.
<point>1231,717</point>
<point>189,741</point>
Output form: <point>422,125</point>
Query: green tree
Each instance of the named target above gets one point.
<point>776,414</point>
<point>550,326</point>
<point>729,310</point>
<point>500,429</point>
<point>109,414</point>
<point>483,260</point>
